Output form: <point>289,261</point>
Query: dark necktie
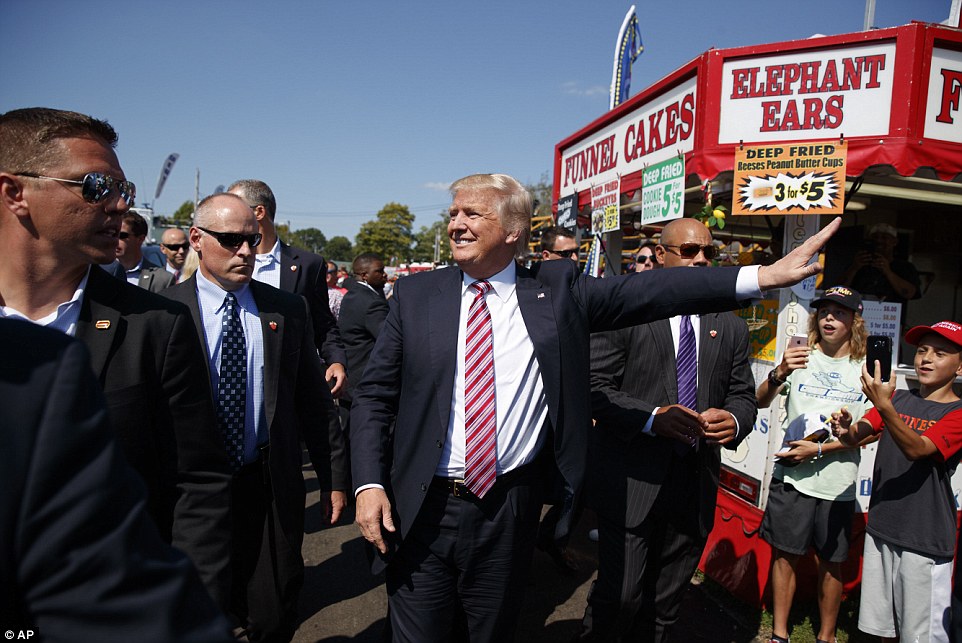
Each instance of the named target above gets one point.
<point>480,417</point>
<point>687,367</point>
<point>232,385</point>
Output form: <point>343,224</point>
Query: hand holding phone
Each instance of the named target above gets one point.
<point>879,349</point>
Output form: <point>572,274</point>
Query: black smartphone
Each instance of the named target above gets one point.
<point>879,349</point>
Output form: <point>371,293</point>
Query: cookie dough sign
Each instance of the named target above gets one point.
<point>796,178</point>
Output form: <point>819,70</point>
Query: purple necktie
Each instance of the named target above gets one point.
<point>687,367</point>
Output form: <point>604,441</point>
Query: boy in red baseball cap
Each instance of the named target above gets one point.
<point>910,535</point>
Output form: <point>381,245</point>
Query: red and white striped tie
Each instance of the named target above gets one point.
<point>480,417</point>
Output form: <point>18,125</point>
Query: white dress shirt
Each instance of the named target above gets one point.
<point>267,266</point>
<point>675,324</point>
<point>66,316</point>
<point>210,299</point>
<point>133,275</point>
<point>520,401</point>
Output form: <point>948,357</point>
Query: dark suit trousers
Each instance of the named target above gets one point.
<point>259,600</point>
<point>468,551</point>
<point>643,571</point>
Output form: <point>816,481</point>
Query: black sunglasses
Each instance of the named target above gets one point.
<point>174,247</point>
<point>234,240</point>
<point>645,259</point>
<point>123,235</point>
<point>691,250</point>
<point>567,254</point>
<point>95,187</point>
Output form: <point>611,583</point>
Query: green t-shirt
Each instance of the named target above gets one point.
<point>824,387</point>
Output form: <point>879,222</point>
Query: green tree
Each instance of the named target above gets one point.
<point>184,215</point>
<point>339,249</point>
<point>425,238</point>
<point>310,239</point>
<point>389,235</point>
<point>541,192</point>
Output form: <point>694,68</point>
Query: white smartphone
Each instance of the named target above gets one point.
<point>797,340</point>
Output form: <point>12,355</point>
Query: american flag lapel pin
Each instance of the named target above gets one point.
<point>102,324</point>
<point>273,325</point>
<point>713,333</point>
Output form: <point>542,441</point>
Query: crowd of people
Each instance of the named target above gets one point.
<point>156,427</point>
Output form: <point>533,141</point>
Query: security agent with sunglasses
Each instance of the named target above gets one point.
<point>266,381</point>
<point>63,196</point>
<point>174,245</point>
<point>651,483</point>
<point>138,269</point>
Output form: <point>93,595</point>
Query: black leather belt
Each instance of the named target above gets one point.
<point>456,487</point>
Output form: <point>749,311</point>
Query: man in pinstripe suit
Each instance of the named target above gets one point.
<point>652,485</point>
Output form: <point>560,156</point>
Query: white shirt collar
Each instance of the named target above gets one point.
<point>273,256</point>
<point>503,283</point>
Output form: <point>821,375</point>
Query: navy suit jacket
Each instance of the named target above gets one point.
<point>411,370</point>
<point>79,558</point>
<point>363,312</point>
<point>632,372</point>
<point>150,365</point>
<point>305,273</point>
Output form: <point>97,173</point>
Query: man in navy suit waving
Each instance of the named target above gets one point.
<point>470,363</point>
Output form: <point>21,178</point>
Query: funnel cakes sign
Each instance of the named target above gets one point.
<point>808,95</point>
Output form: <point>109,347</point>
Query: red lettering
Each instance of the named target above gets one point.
<point>813,113</point>
<point>770,109</point>
<point>873,65</point>
<point>951,88</point>
<point>790,120</point>
<point>830,79</point>
<point>809,77</point>
<point>654,131</point>
<point>774,85</point>
<point>687,116</point>
<point>671,116</point>
<point>833,112</point>
<point>739,83</point>
<point>852,73</point>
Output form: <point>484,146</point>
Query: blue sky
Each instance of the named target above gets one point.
<point>343,107</point>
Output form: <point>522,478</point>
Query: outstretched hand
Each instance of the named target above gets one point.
<point>795,266</point>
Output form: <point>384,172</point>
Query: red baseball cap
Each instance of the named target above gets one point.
<point>947,329</point>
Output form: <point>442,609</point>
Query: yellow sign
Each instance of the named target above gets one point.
<point>793,178</point>
<point>762,320</point>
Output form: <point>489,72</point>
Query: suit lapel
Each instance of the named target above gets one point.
<point>98,322</point>
<point>190,286</point>
<point>661,336</point>
<point>444,305</point>
<point>534,300</point>
<point>291,269</point>
<point>272,330</point>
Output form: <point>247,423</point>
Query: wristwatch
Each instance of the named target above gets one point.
<point>774,379</point>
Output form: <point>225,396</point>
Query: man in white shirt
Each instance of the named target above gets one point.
<point>173,243</point>
<point>139,271</point>
<point>478,380</point>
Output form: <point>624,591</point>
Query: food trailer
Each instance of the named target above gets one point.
<point>786,136</point>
